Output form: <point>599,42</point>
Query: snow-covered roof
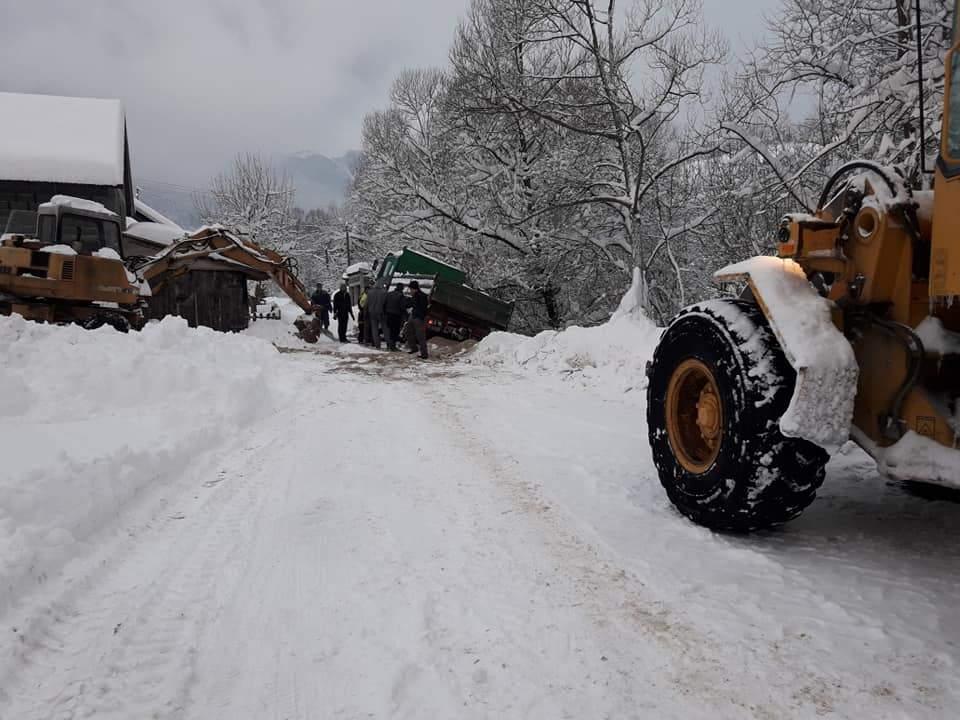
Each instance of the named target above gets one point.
<point>359,268</point>
<point>154,215</point>
<point>76,204</point>
<point>47,138</point>
<point>156,233</point>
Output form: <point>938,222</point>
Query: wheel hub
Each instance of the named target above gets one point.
<point>695,420</point>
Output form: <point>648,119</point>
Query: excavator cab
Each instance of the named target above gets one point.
<point>69,269</point>
<point>81,225</point>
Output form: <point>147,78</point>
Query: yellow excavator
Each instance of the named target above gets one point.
<point>851,332</point>
<point>63,264</point>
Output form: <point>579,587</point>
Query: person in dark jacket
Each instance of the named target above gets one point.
<point>376,302</point>
<point>321,299</point>
<point>395,309</point>
<point>342,311</point>
<point>417,330</point>
<point>363,329</point>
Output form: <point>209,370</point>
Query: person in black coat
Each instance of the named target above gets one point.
<point>395,310</point>
<point>342,311</point>
<point>321,299</point>
<point>417,330</point>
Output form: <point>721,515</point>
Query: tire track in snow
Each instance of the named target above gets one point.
<point>124,646</point>
<point>667,649</point>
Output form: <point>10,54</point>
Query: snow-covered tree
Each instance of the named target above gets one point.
<point>849,68</point>
<point>251,198</point>
<point>541,159</point>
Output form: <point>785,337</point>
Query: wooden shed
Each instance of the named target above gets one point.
<point>211,291</point>
<point>210,294</point>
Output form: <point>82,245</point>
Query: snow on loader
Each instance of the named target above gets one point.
<point>62,264</point>
<point>853,331</point>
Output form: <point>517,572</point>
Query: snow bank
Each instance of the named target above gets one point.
<point>614,354</point>
<point>282,332</point>
<point>90,419</point>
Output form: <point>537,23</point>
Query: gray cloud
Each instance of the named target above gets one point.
<point>202,80</point>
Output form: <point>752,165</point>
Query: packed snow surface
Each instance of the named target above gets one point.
<point>195,525</point>
<point>821,409</point>
<point>47,138</point>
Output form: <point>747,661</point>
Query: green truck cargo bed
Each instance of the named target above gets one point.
<point>411,262</point>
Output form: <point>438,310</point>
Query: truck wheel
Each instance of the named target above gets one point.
<point>719,384</point>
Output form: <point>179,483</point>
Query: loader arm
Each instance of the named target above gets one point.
<point>176,259</point>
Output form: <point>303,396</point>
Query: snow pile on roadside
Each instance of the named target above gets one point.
<point>92,418</point>
<point>614,354</point>
<point>282,332</point>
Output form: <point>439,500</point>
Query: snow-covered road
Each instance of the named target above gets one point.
<point>455,541</point>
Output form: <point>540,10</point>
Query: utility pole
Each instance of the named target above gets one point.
<point>346,228</point>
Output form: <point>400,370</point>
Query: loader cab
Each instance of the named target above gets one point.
<point>950,139</point>
<point>85,227</point>
<point>944,285</point>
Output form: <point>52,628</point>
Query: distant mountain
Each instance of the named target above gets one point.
<point>318,179</point>
<point>171,200</point>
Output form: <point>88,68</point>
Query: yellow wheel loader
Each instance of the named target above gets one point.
<point>852,332</point>
<point>62,264</point>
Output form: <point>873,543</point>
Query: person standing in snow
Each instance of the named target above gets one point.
<point>342,311</point>
<point>363,336</point>
<point>321,299</point>
<point>395,310</point>
<point>376,299</point>
<point>417,329</point>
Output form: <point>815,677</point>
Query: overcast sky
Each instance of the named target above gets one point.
<point>204,79</point>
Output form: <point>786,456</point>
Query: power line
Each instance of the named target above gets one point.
<point>173,186</point>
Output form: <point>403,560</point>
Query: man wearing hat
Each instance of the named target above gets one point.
<point>417,329</point>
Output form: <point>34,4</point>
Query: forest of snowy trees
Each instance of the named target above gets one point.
<point>567,142</point>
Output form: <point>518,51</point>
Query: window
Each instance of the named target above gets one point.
<point>87,236</point>
<point>47,229</point>
<point>953,111</point>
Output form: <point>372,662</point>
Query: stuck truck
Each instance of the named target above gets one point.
<point>457,311</point>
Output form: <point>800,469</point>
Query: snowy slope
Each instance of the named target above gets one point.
<point>612,356</point>
<point>90,420</point>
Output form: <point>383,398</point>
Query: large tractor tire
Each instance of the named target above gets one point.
<point>718,385</point>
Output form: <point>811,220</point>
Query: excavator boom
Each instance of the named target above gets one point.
<point>219,243</point>
<point>215,241</point>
